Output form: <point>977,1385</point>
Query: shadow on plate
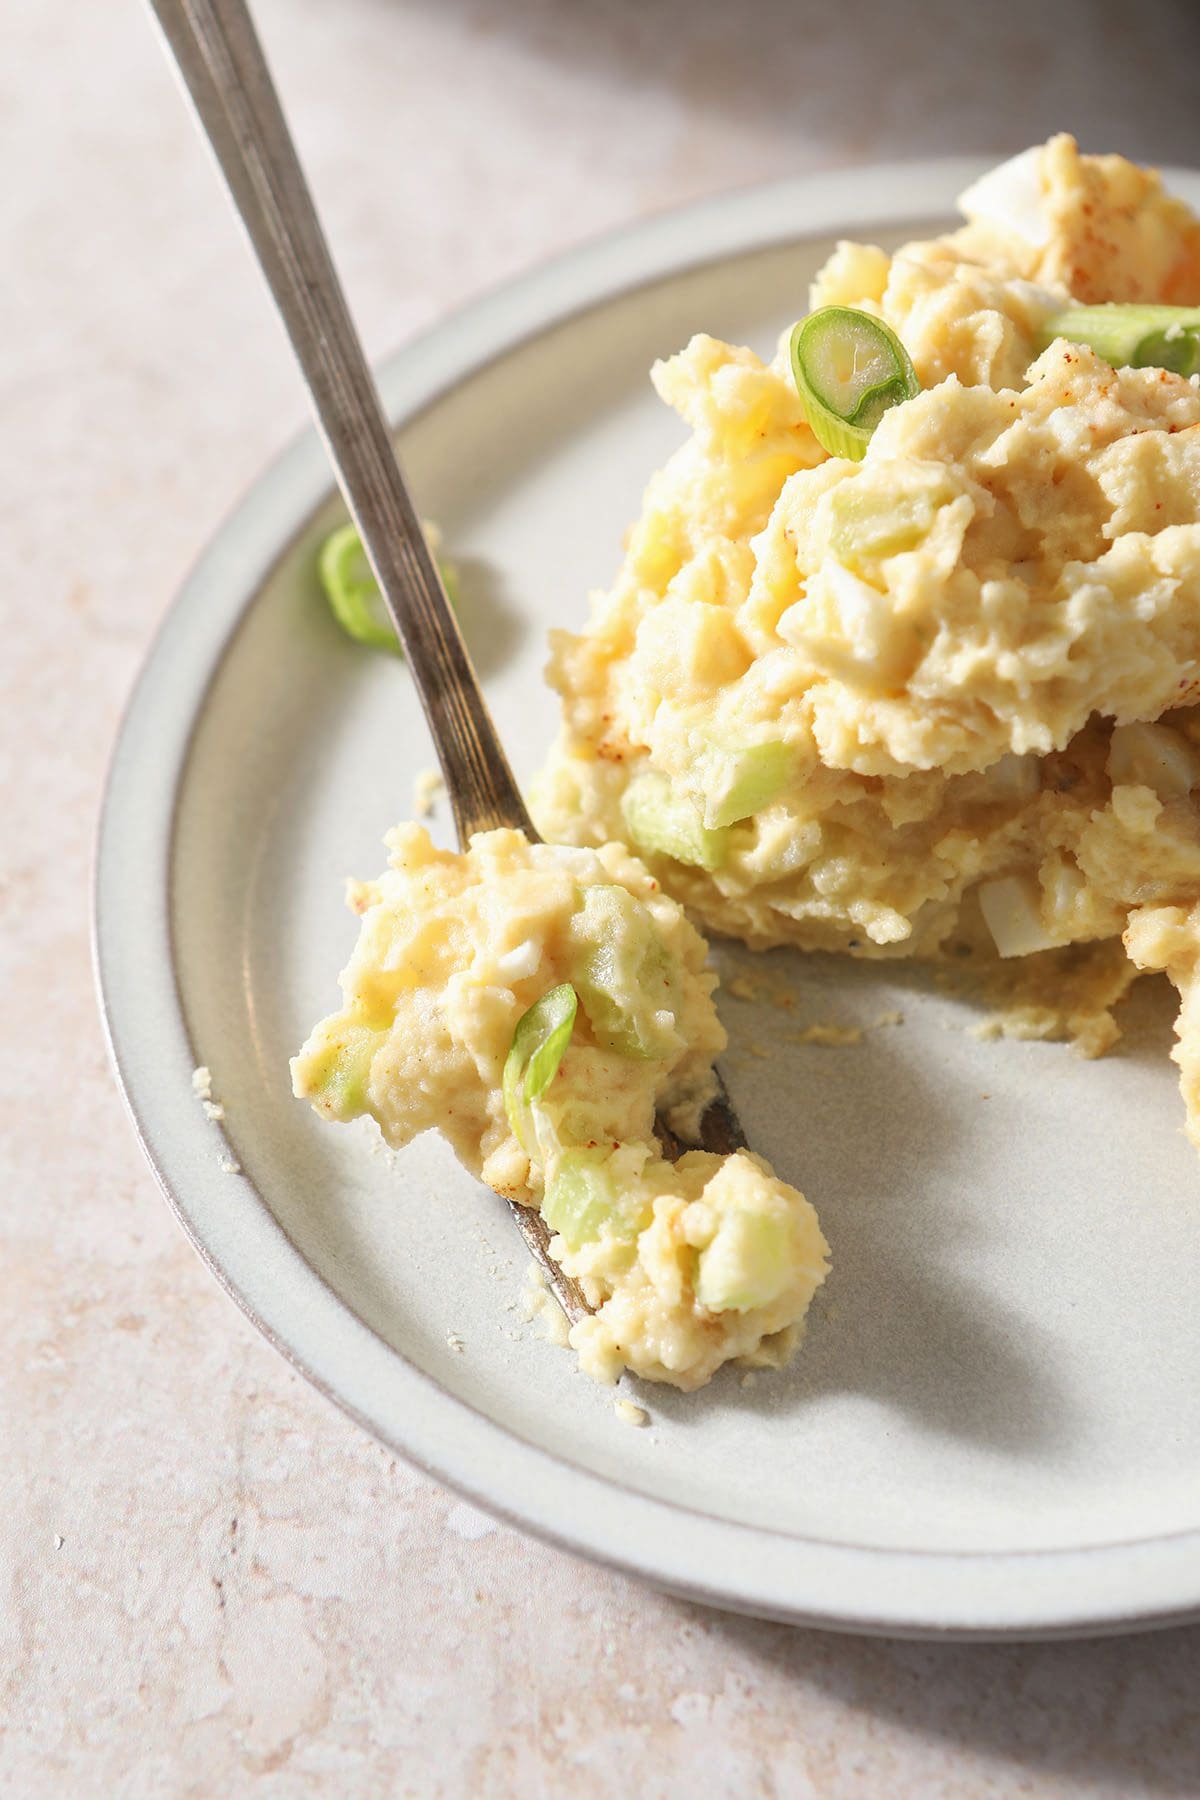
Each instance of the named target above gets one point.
<point>491,624</point>
<point>895,1322</point>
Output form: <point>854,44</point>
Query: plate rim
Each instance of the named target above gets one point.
<point>1138,1584</point>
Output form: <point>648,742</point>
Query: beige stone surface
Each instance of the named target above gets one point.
<point>210,1582</point>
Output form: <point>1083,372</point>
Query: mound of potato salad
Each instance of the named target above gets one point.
<point>538,1005</point>
<point>903,660</point>
<point>904,655</point>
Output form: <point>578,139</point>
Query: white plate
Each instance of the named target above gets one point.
<point>994,1427</point>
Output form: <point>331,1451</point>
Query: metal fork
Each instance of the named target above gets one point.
<point>221,61</point>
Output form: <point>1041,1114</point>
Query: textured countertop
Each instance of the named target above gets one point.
<point>210,1581</point>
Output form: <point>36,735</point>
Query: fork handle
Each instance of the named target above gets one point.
<point>223,68</point>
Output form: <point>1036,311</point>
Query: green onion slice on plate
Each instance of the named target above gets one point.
<point>353,592</point>
<point>1132,336</point>
<point>538,1047</point>
<point>849,370</point>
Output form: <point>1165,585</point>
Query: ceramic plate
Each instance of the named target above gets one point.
<point>994,1426</point>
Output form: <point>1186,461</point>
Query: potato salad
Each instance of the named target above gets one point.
<point>903,660</point>
<point>904,656</point>
<point>539,1006</point>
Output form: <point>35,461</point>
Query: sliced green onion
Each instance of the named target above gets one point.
<point>849,370</point>
<point>353,592</point>
<point>538,1047</point>
<point>1132,336</point>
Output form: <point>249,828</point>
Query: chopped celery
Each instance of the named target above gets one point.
<point>866,524</point>
<point>623,973</point>
<point>662,822</point>
<point>1132,335</point>
<point>583,1202</point>
<point>538,1046</point>
<point>340,1071</point>
<point>353,592</point>
<point>1176,348</point>
<point>747,1263</point>
<point>735,781</point>
<point>849,369</point>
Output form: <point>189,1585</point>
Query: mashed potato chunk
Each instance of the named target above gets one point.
<point>686,1264</point>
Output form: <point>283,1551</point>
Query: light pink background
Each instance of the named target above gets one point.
<point>210,1582</point>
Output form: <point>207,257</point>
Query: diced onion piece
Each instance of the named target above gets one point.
<point>1153,756</point>
<point>662,822</point>
<point>849,369</point>
<point>1130,335</point>
<point>1011,909</point>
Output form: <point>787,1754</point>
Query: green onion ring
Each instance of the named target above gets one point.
<point>849,369</point>
<point>538,1046</point>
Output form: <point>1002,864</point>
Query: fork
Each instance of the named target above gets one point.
<point>221,61</point>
